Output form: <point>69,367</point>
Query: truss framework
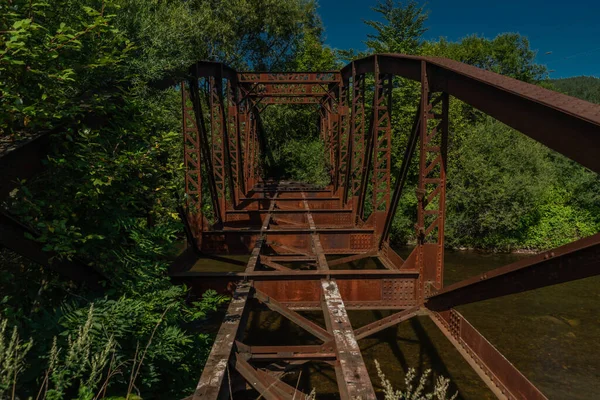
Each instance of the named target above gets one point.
<point>293,230</point>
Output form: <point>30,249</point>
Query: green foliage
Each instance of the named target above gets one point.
<point>12,358</point>
<point>201,309</point>
<point>507,54</point>
<point>506,191</point>
<point>494,186</point>
<point>416,389</point>
<point>584,87</point>
<point>401,30</point>
<point>59,61</point>
<point>81,365</point>
<point>304,161</point>
<point>113,180</point>
<point>244,34</point>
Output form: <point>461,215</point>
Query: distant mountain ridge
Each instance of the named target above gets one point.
<point>583,87</point>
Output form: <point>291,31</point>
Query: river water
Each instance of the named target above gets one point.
<point>552,335</point>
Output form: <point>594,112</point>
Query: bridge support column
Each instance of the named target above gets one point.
<point>431,192</point>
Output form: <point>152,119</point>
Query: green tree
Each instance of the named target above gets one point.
<point>401,30</point>
<point>507,54</point>
<point>114,175</point>
<point>584,87</point>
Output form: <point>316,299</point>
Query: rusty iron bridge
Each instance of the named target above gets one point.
<point>300,237</point>
<point>296,234</point>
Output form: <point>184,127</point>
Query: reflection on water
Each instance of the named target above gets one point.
<point>552,335</point>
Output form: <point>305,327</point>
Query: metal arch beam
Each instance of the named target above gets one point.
<point>563,123</point>
<point>577,260</point>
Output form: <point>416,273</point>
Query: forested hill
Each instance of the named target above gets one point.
<point>584,87</point>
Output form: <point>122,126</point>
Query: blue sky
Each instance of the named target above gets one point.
<point>570,30</point>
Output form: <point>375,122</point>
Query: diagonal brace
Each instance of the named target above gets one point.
<point>274,305</point>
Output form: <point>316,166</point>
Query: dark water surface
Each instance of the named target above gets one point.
<point>552,335</point>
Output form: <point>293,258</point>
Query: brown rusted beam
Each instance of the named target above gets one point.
<point>268,386</point>
<point>292,211</point>
<point>215,368</point>
<point>544,115</point>
<point>291,249</point>
<point>298,199</point>
<point>367,159</point>
<point>349,259</point>
<point>312,348</point>
<point>304,274</point>
<point>291,258</point>
<point>285,221</point>
<point>255,255</point>
<point>194,94</point>
<point>293,316</point>
<point>577,260</point>
<point>387,322</point>
<point>317,248</point>
<point>266,261</point>
<point>291,230</point>
<point>506,381</point>
<point>262,386</point>
<point>401,177</point>
<point>352,375</point>
<point>293,356</point>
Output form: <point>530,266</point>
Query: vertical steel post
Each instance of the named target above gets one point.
<point>192,156</point>
<point>204,145</point>
<point>431,192</point>
<point>382,147</point>
<point>344,149</point>
<point>217,131</point>
<point>357,133</point>
<point>232,132</point>
<point>334,127</point>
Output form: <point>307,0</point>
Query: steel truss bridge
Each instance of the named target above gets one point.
<point>285,223</point>
<point>279,223</point>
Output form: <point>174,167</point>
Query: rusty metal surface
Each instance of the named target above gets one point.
<point>352,376</point>
<point>387,322</point>
<point>211,381</point>
<point>563,123</point>
<point>274,305</point>
<point>431,192</point>
<point>281,224</point>
<point>269,387</point>
<point>496,371</point>
<point>289,228</point>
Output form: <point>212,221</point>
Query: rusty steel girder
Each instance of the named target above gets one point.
<point>302,240</point>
